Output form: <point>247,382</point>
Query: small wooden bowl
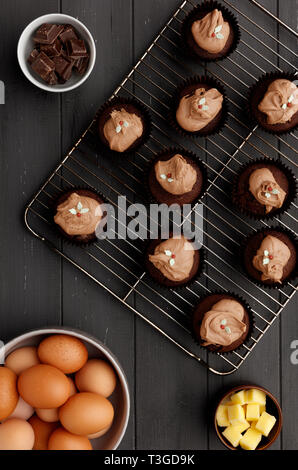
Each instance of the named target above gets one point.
<point>272,406</point>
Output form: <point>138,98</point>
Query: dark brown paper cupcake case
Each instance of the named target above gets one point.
<point>199,12</point>
<point>265,232</point>
<point>190,283</point>
<point>84,190</point>
<point>256,94</point>
<point>117,103</point>
<point>251,329</point>
<point>292,193</point>
<point>172,151</point>
<point>192,83</point>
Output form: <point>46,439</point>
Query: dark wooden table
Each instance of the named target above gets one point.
<point>170,393</point>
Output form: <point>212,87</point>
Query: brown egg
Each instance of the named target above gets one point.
<point>63,440</point>
<point>96,376</point>
<point>42,432</point>
<point>22,410</point>
<point>8,392</point>
<point>65,352</point>
<point>49,415</point>
<point>86,413</point>
<point>44,386</point>
<point>16,434</point>
<point>22,358</point>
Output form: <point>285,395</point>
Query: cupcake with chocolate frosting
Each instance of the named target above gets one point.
<point>173,262</point>
<point>199,107</point>
<point>210,32</point>
<point>264,188</point>
<point>273,102</point>
<point>123,125</point>
<point>222,322</point>
<point>80,215</point>
<point>270,257</point>
<point>176,177</point>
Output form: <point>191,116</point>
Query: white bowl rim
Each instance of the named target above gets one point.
<point>96,343</point>
<point>42,19</point>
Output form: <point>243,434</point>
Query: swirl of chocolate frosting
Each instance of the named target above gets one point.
<point>174,258</point>
<point>122,130</point>
<point>175,175</point>
<point>271,258</point>
<point>280,101</point>
<point>265,189</point>
<point>223,324</point>
<point>79,215</point>
<point>199,108</point>
<point>211,32</point>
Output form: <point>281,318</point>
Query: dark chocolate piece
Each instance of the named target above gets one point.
<point>33,56</point>
<point>52,50</point>
<point>63,68</point>
<point>68,33</point>
<point>82,65</point>
<point>76,48</point>
<point>52,79</point>
<point>43,65</point>
<point>47,33</point>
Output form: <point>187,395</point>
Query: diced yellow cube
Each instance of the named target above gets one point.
<point>262,408</point>
<point>233,435</point>
<point>241,427</point>
<point>236,414</point>
<point>239,398</point>
<point>222,416</point>
<point>251,439</point>
<point>252,412</point>
<point>265,423</point>
<point>255,396</point>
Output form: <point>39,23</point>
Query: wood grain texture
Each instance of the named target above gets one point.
<point>172,396</point>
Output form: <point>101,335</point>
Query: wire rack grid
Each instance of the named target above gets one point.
<point>116,265</point>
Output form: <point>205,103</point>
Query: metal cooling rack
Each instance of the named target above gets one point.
<point>116,265</point>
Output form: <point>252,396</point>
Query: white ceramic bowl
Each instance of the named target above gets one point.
<point>26,45</point>
<point>120,397</point>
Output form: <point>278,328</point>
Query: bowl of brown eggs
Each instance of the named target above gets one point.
<point>61,389</point>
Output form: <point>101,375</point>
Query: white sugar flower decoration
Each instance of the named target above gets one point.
<point>202,104</point>
<point>267,257</point>
<point>167,177</point>
<point>288,104</point>
<point>171,256</point>
<point>120,125</point>
<point>79,210</point>
<point>216,34</point>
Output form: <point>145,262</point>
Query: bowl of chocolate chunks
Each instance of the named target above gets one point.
<point>56,52</point>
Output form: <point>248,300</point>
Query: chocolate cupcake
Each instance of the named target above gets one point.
<point>79,215</point>
<point>210,32</point>
<point>222,322</point>
<point>264,188</point>
<point>270,257</point>
<point>173,262</point>
<point>176,177</point>
<point>123,125</point>
<point>199,107</point>
<point>273,102</point>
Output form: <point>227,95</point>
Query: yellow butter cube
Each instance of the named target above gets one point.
<point>222,416</point>
<point>241,427</point>
<point>236,414</point>
<point>252,412</point>
<point>255,396</point>
<point>265,423</point>
<point>251,439</point>
<point>233,435</point>
<point>239,398</point>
